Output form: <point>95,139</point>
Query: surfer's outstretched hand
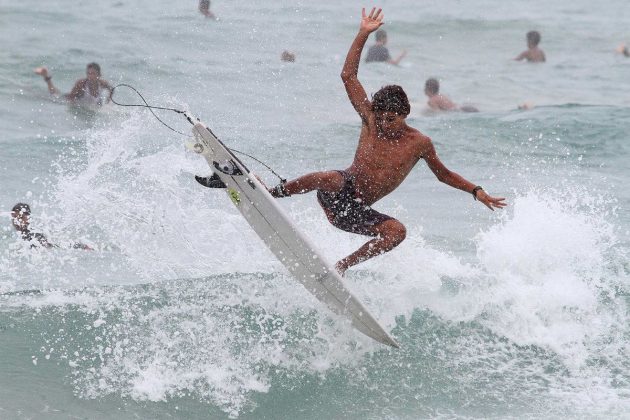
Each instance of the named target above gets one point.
<point>42,71</point>
<point>371,22</point>
<point>491,202</point>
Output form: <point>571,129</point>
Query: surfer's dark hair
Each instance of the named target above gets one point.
<point>533,37</point>
<point>432,86</point>
<point>95,66</point>
<point>391,98</point>
<point>381,35</point>
<point>21,208</point>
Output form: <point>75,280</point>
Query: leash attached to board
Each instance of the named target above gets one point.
<point>192,120</point>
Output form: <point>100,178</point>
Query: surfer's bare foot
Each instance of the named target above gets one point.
<point>42,71</point>
<point>341,267</point>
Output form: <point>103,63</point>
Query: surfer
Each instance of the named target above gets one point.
<point>21,220</point>
<point>439,102</point>
<point>89,90</point>
<point>387,151</point>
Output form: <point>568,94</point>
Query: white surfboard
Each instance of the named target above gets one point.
<point>281,236</point>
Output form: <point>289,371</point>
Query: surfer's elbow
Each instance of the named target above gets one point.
<point>348,76</point>
<point>443,176</point>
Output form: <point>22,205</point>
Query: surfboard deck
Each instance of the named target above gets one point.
<point>281,236</point>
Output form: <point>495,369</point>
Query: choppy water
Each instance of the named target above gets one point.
<point>180,313</point>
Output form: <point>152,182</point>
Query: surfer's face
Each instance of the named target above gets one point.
<point>390,124</point>
<point>92,74</point>
<point>20,219</point>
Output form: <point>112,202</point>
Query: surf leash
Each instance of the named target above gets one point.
<point>179,111</point>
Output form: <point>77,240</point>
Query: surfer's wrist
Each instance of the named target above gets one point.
<point>279,191</point>
<point>48,78</point>
<point>475,191</point>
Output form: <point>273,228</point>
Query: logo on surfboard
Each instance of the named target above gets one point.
<point>234,196</point>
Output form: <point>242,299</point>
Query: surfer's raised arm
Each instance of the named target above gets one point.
<point>43,71</point>
<point>349,74</point>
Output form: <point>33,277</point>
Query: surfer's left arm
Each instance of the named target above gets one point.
<point>455,180</point>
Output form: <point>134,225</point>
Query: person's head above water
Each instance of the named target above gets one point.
<point>20,216</point>
<point>287,56</point>
<point>93,71</point>
<point>381,36</point>
<point>431,87</point>
<point>533,39</point>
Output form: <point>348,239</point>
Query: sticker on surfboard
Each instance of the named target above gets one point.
<point>234,196</point>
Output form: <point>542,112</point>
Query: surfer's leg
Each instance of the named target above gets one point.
<point>389,234</point>
<point>329,181</point>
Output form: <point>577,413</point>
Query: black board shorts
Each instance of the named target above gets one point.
<point>345,210</point>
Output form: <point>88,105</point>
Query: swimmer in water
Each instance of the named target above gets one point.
<point>439,102</point>
<point>533,54</point>
<point>379,52</point>
<point>21,220</point>
<point>89,90</point>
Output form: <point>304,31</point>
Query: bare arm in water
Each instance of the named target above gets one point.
<point>398,59</point>
<point>43,71</point>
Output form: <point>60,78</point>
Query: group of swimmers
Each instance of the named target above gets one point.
<point>94,90</point>
<point>437,101</point>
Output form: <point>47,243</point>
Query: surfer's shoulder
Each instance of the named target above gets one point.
<point>417,136</point>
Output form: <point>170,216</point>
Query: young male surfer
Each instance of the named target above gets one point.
<point>388,149</point>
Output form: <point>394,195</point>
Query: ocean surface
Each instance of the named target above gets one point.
<point>181,312</point>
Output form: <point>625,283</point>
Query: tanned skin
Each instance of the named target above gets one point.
<point>388,149</point>
<point>532,54</point>
<point>439,102</point>
<point>92,82</point>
